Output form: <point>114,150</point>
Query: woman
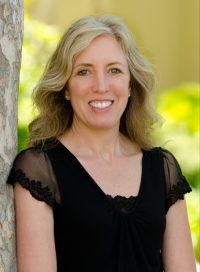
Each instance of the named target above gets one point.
<point>91,192</point>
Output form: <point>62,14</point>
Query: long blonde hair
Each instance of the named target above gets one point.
<point>56,114</point>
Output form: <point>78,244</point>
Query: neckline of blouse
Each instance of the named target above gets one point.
<point>92,181</point>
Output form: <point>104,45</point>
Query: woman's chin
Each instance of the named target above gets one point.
<point>104,126</point>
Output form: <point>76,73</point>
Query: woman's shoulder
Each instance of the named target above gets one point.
<point>168,157</point>
<point>168,160</point>
<point>159,150</point>
<point>30,153</point>
<point>32,170</point>
<point>36,153</point>
<point>176,183</point>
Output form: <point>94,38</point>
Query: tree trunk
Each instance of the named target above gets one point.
<point>11,32</point>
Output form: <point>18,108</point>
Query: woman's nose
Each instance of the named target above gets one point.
<point>101,83</point>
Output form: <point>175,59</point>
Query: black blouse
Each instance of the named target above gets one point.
<point>95,232</point>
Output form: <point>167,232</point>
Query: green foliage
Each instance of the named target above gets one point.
<point>22,137</point>
<point>180,134</point>
<point>179,107</point>
<point>39,42</point>
<point>193,203</point>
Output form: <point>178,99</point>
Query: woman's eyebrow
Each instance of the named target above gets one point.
<point>91,65</point>
<point>114,63</point>
<point>84,64</point>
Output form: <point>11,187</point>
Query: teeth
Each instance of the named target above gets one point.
<point>100,105</point>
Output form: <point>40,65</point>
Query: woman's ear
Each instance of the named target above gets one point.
<point>67,96</point>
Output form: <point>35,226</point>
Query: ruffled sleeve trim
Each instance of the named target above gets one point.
<point>176,184</point>
<point>177,192</point>
<point>41,193</point>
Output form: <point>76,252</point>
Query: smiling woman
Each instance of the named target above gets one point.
<point>91,192</point>
<point>136,122</point>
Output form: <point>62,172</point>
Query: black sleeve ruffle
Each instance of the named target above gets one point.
<point>176,184</point>
<point>33,171</point>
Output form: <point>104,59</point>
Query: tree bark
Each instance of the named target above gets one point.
<point>11,32</point>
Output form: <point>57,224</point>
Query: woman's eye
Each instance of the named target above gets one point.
<point>83,72</point>
<point>115,71</point>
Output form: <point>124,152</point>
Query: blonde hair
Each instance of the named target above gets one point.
<point>56,114</point>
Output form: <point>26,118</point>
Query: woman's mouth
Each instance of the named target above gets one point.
<point>101,104</point>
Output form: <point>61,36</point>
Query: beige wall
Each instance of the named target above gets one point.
<point>166,31</point>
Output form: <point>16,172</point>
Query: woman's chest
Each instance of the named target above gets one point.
<point>84,186</point>
<point>122,176</point>
<point>86,207</point>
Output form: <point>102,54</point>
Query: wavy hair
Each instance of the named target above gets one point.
<point>56,114</point>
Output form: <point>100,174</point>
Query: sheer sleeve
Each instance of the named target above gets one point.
<point>32,169</point>
<point>176,183</point>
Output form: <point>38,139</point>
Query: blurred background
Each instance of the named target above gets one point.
<point>167,32</point>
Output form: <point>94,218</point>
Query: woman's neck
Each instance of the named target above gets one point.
<point>102,144</point>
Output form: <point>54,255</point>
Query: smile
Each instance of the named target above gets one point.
<point>100,104</point>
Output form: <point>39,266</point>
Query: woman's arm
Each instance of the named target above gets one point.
<point>35,233</point>
<point>178,253</point>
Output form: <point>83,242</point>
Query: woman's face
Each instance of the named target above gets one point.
<point>99,85</point>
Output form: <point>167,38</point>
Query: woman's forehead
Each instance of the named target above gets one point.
<point>103,47</point>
